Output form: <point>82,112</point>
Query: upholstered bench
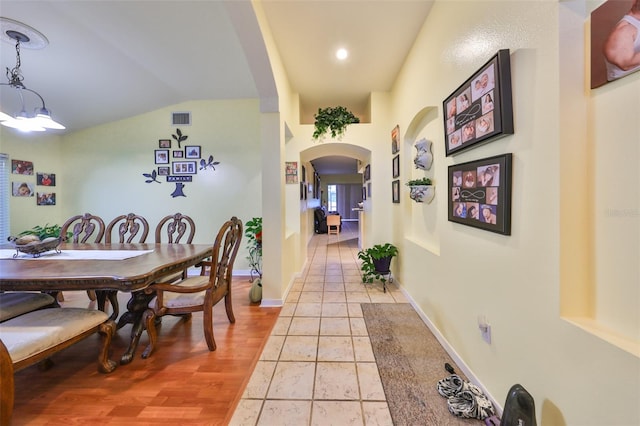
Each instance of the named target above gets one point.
<point>17,303</point>
<point>35,336</point>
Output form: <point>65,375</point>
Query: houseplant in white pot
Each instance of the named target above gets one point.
<point>422,190</point>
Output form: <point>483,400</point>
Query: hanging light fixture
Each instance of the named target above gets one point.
<point>40,119</point>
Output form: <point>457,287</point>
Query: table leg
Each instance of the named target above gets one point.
<point>136,307</point>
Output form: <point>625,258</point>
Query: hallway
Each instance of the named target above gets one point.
<point>317,367</point>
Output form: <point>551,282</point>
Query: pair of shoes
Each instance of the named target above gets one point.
<point>465,399</point>
<point>454,384</point>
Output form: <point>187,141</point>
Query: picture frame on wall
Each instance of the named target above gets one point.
<point>395,139</point>
<point>164,171</point>
<point>184,168</point>
<point>46,179</point>
<point>164,143</point>
<point>161,156</point>
<point>46,199</point>
<point>364,193</point>
<point>192,151</point>
<point>396,166</point>
<point>608,63</point>
<point>480,193</point>
<point>177,154</point>
<point>367,172</point>
<point>395,191</point>
<point>481,109</point>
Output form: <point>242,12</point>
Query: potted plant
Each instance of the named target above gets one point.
<point>334,120</point>
<point>376,262</point>
<point>253,232</point>
<point>421,190</point>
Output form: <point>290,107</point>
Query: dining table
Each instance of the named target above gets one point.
<point>127,267</point>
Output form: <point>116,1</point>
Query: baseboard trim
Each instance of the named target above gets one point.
<point>449,349</point>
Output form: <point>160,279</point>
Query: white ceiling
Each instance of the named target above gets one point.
<point>108,60</point>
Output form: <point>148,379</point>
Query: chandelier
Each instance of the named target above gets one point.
<point>39,118</point>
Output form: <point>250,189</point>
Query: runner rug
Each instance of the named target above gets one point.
<point>410,361</point>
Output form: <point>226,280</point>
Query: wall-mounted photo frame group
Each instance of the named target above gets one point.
<point>481,109</point>
<point>480,193</point>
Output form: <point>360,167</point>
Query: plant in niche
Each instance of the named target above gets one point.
<point>334,120</point>
<point>376,261</point>
<point>419,182</point>
<point>253,232</point>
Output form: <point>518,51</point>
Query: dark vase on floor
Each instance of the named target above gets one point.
<point>382,265</point>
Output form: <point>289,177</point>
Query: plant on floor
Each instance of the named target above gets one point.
<point>334,120</point>
<point>253,232</point>
<point>376,261</point>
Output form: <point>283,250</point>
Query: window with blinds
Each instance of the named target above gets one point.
<point>4,196</point>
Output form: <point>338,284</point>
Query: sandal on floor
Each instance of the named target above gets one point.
<point>470,405</point>
<point>454,384</point>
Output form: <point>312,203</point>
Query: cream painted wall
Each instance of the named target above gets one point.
<point>104,166</point>
<point>456,273</point>
<point>43,149</point>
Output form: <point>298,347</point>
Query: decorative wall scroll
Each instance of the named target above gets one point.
<point>480,194</point>
<point>480,109</point>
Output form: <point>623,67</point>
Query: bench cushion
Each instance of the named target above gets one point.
<point>34,332</point>
<point>13,304</point>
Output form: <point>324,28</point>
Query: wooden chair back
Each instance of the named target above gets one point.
<point>174,227</point>
<point>333,223</point>
<point>83,227</point>
<point>129,225</point>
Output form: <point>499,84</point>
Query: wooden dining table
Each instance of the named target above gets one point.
<point>53,272</point>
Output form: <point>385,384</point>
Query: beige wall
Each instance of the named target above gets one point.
<point>456,273</point>
<point>100,170</point>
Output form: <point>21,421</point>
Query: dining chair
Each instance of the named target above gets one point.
<point>174,227</point>
<point>83,227</point>
<point>128,227</point>
<point>199,293</point>
<point>333,224</point>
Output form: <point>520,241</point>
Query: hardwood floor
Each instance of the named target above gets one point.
<point>181,383</point>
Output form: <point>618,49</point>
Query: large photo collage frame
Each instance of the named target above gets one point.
<point>480,109</point>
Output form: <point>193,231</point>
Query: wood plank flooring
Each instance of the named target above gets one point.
<point>181,383</point>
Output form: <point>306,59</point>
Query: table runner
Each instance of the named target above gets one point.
<point>76,254</point>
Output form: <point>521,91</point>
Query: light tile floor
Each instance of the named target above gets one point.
<point>317,367</point>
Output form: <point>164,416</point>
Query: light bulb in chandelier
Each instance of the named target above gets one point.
<point>40,120</point>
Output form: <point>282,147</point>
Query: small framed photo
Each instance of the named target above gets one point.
<point>164,171</point>
<point>184,168</point>
<point>367,172</point>
<point>22,189</point>
<point>46,198</point>
<point>46,179</point>
<point>396,166</point>
<point>395,140</point>
<point>395,191</point>
<point>364,193</point>
<point>178,154</point>
<point>162,156</point>
<point>369,189</point>
<point>20,167</point>
<point>164,143</point>
<point>192,151</point>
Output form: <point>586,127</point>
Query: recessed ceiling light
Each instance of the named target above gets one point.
<point>342,54</point>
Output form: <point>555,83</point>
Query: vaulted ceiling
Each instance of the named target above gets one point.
<point>107,60</point>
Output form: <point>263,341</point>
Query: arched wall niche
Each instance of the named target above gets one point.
<point>420,219</point>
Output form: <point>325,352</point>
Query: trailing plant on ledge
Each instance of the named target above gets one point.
<point>421,181</point>
<point>334,120</point>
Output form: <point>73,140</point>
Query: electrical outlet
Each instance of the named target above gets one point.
<point>485,328</point>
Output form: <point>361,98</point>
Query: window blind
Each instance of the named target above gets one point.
<point>4,197</point>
